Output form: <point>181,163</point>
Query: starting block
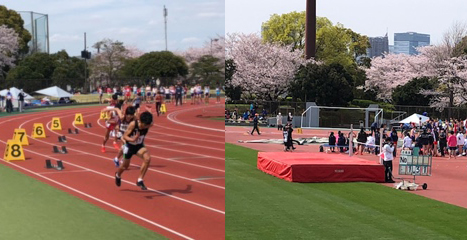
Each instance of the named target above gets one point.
<point>61,139</point>
<point>59,166</point>
<point>87,125</point>
<point>63,150</point>
<point>71,131</point>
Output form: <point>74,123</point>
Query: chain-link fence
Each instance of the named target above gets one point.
<point>337,118</point>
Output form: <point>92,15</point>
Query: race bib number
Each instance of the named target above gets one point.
<point>140,139</point>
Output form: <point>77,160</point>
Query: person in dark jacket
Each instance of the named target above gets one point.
<point>289,137</point>
<point>377,141</point>
<point>443,142</point>
<point>332,141</point>
<point>286,133</point>
<point>394,138</point>
<point>341,141</point>
<point>255,125</point>
<point>361,139</point>
<point>425,141</point>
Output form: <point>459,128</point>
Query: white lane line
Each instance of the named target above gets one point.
<point>166,149</point>
<point>208,178</point>
<point>135,165</point>
<point>75,171</point>
<point>131,183</point>
<point>173,118</point>
<point>100,173</point>
<point>101,201</point>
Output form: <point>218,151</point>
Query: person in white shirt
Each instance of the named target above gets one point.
<point>464,149</point>
<point>206,94</point>
<point>460,142</point>
<point>370,143</point>
<point>388,150</point>
<point>279,121</point>
<point>407,142</point>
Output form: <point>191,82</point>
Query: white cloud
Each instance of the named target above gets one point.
<point>57,37</point>
<point>211,15</point>
<point>191,40</point>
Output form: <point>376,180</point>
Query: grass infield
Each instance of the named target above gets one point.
<point>31,209</point>
<point>260,206</point>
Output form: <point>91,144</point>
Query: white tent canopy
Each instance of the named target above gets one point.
<point>14,92</point>
<point>415,118</point>
<point>54,92</point>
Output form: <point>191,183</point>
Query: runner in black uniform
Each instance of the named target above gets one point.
<point>134,137</point>
<point>125,120</point>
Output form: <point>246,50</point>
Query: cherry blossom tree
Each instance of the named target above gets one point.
<point>214,47</point>
<point>388,72</point>
<point>212,56</point>
<point>392,70</point>
<point>263,70</point>
<point>8,46</point>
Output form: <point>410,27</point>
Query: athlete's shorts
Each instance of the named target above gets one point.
<point>148,94</point>
<point>129,150</point>
<point>110,126</point>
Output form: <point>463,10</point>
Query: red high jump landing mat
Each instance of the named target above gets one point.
<point>319,167</point>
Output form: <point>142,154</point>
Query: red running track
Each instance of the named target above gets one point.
<point>186,179</point>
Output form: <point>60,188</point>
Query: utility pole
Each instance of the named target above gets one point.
<point>85,64</point>
<point>310,29</point>
<point>86,55</point>
<point>165,21</point>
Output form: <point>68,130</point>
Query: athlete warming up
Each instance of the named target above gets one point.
<point>134,137</point>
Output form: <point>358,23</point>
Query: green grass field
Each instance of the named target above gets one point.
<point>30,209</point>
<point>260,206</point>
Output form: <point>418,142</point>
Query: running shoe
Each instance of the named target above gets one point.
<point>117,163</point>
<point>103,149</point>
<point>141,184</point>
<point>118,180</point>
<point>116,146</point>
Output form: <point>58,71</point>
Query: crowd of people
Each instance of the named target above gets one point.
<point>174,94</point>
<point>248,115</point>
<point>6,102</point>
<point>434,137</point>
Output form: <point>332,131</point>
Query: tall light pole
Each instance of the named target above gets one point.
<point>165,21</point>
<point>310,29</point>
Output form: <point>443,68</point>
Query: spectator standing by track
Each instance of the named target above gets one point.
<point>279,121</point>
<point>9,103</point>
<point>20,101</point>
<point>178,95</point>
<point>388,150</point>
<point>442,142</point>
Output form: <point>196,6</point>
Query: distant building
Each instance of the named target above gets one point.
<point>409,41</point>
<point>379,45</point>
<point>391,48</point>
<point>37,25</point>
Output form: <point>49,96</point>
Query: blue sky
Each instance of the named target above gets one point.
<point>139,23</point>
<point>368,17</point>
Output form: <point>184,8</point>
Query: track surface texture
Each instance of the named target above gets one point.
<point>186,179</point>
<point>447,182</point>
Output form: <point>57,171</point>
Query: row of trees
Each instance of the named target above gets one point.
<point>273,67</point>
<point>437,75</point>
<point>114,63</point>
